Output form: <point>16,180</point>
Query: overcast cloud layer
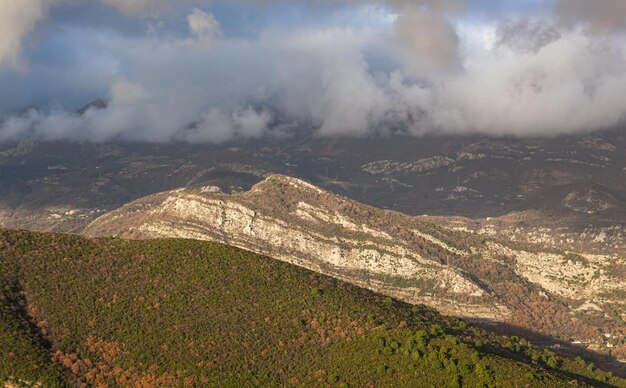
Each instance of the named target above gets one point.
<point>211,71</point>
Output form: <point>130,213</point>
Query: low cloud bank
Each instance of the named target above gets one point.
<point>424,68</point>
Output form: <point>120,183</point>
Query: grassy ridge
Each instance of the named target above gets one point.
<point>175,312</point>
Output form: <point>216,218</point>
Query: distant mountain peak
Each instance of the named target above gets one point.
<point>97,104</point>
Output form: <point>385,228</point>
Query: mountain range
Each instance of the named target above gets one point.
<point>521,237</point>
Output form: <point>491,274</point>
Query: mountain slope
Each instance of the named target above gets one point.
<point>573,185</point>
<point>292,220</point>
<point>24,357</point>
<point>410,258</point>
<point>174,312</point>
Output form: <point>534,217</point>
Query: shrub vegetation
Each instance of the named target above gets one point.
<point>111,312</point>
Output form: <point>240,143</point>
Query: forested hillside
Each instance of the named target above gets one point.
<point>178,312</point>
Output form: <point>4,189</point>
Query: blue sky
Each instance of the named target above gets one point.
<point>351,68</point>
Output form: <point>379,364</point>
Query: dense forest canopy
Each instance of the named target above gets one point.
<point>177,312</point>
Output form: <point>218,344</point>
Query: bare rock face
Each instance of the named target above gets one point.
<point>460,272</point>
<point>385,167</point>
<point>589,201</point>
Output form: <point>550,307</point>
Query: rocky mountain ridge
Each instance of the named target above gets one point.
<point>356,252</point>
<point>572,183</point>
<point>459,271</point>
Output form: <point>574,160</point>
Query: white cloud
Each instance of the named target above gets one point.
<point>525,35</point>
<point>421,72</point>
<point>203,26</point>
<point>565,87</point>
<point>216,126</point>
<point>429,39</point>
<point>18,18</point>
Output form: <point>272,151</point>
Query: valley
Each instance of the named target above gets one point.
<point>574,183</point>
